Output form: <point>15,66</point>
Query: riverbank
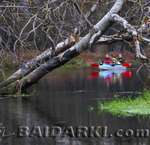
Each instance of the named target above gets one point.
<point>139,106</point>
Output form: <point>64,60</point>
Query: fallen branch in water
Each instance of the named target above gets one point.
<point>36,62</point>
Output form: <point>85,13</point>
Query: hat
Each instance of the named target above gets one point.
<point>146,18</point>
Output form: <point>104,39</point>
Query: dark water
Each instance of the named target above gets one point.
<point>70,99</point>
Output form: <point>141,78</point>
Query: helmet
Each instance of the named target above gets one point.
<point>120,55</point>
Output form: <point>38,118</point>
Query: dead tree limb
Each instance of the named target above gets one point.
<point>133,31</point>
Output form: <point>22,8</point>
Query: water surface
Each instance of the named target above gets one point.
<point>69,99</point>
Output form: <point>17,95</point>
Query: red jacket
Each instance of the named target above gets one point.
<point>108,60</point>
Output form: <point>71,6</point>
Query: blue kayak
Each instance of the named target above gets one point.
<point>110,73</point>
<point>105,66</point>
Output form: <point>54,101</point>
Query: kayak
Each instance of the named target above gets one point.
<point>105,66</point>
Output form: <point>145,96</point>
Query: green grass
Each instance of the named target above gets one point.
<point>128,107</point>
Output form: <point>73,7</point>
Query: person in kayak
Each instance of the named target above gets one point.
<point>115,61</point>
<point>123,62</point>
<point>120,58</point>
<point>108,59</point>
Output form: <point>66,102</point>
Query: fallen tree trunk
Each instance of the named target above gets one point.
<point>67,55</point>
<point>36,62</point>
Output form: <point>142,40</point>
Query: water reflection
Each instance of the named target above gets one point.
<point>64,99</point>
<point>111,76</point>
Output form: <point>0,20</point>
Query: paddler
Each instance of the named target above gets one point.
<point>120,58</point>
<point>108,59</point>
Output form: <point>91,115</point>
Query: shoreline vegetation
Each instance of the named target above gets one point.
<point>10,63</point>
<point>126,107</point>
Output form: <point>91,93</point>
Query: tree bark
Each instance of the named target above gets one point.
<point>36,62</point>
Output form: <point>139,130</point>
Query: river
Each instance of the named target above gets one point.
<point>69,99</point>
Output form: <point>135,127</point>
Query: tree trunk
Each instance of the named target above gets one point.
<point>36,62</point>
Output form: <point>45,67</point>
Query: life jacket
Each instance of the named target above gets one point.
<point>108,60</point>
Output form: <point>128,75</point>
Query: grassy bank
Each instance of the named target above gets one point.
<point>139,106</point>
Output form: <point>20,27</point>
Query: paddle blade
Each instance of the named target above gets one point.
<point>127,64</point>
<point>95,65</point>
